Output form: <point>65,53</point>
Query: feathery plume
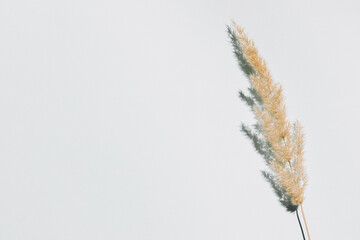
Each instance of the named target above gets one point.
<point>279,142</point>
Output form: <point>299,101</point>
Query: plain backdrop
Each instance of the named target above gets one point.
<point>120,119</point>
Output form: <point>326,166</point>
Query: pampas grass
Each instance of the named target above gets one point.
<point>274,137</point>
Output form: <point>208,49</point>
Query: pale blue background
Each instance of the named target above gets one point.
<point>120,119</point>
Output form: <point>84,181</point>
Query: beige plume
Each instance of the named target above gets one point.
<point>287,146</point>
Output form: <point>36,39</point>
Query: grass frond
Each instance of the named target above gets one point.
<point>278,141</point>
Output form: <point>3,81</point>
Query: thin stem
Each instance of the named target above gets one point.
<point>302,231</point>
<point>307,229</point>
